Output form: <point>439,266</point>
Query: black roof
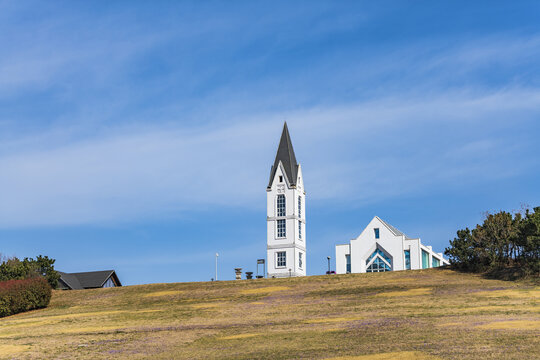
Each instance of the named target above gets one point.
<point>88,280</point>
<point>285,154</point>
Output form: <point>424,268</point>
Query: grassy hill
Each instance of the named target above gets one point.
<point>427,314</point>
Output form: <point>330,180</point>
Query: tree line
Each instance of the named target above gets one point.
<point>503,241</point>
<point>42,266</point>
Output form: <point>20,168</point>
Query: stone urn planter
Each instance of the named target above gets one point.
<point>238,272</point>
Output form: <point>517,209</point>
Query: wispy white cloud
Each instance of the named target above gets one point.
<point>125,144</point>
<point>348,154</point>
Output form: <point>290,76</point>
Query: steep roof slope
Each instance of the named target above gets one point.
<point>88,280</point>
<point>285,154</point>
<point>394,230</point>
<point>70,280</point>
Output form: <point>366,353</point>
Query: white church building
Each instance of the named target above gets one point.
<point>286,214</point>
<point>382,247</point>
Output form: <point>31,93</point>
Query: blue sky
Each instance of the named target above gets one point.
<point>139,136</point>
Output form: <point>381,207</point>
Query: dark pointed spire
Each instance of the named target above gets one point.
<point>285,154</point>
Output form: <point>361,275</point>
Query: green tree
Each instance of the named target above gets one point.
<point>529,241</point>
<point>15,269</point>
<point>503,242</point>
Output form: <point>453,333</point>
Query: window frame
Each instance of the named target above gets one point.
<point>407,254</point>
<point>379,261</point>
<point>281,231</point>
<point>377,233</point>
<point>281,259</point>
<point>281,205</point>
<point>425,256</point>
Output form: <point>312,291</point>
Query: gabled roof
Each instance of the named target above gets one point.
<point>70,280</point>
<point>285,154</point>
<point>393,230</point>
<point>88,280</point>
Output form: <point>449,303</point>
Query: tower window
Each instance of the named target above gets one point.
<point>299,206</point>
<point>348,262</point>
<point>300,230</point>
<point>300,262</point>
<point>281,259</point>
<point>281,229</point>
<point>280,178</point>
<point>377,233</point>
<point>281,205</point>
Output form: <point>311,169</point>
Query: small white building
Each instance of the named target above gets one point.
<point>286,213</point>
<point>382,247</point>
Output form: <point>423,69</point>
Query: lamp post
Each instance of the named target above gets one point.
<point>328,257</point>
<point>217,255</point>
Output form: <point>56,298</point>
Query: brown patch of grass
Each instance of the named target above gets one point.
<point>163,293</point>
<point>410,292</point>
<point>400,355</point>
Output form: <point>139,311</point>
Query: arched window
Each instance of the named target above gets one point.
<point>378,261</point>
<point>281,205</point>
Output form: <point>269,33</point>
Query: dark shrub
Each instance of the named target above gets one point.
<point>23,295</point>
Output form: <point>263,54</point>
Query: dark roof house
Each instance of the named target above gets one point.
<point>88,280</point>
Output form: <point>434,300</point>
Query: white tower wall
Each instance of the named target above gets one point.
<point>293,243</point>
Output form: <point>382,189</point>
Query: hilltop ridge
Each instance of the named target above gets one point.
<point>425,314</point>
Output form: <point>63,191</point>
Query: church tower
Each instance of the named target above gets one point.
<point>286,214</point>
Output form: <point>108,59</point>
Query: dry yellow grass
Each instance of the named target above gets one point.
<point>65,316</point>
<point>10,350</point>
<point>411,292</point>
<point>207,305</point>
<point>163,293</point>
<point>400,355</point>
<point>332,320</point>
<point>88,329</point>
<point>239,336</point>
<point>264,290</point>
<point>512,325</point>
<point>512,293</point>
<point>436,311</point>
<point>533,309</point>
